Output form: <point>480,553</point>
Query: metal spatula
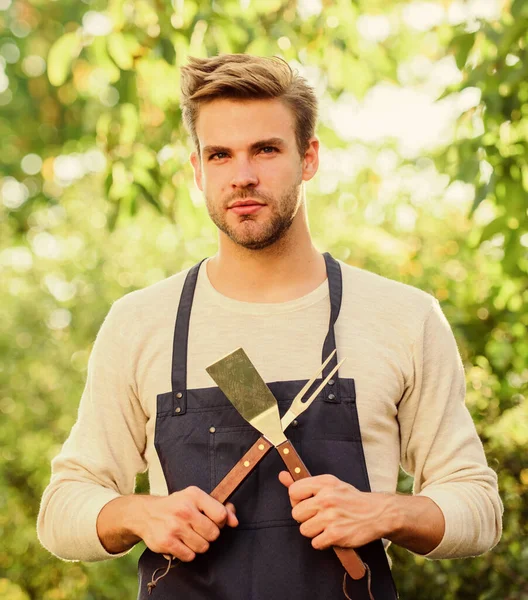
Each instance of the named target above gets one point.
<point>237,377</point>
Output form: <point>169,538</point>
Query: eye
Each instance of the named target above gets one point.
<point>218,156</point>
<point>269,150</point>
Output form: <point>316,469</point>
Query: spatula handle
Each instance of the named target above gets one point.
<point>241,470</point>
<point>348,556</point>
<point>232,481</point>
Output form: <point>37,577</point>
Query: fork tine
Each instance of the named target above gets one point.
<point>298,406</point>
<point>309,384</point>
<point>307,403</point>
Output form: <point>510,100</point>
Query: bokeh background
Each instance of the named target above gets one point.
<point>424,179</point>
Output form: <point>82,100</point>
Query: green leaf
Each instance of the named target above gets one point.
<point>119,51</point>
<point>496,226</point>
<point>129,124</point>
<point>99,55</point>
<point>149,197</point>
<point>462,45</point>
<point>120,182</point>
<point>482,192</point>
<point>469,170</point>
<point>61,55</point>
<point>519,8</point>
<point>145,179</point>
<point>167,51</point>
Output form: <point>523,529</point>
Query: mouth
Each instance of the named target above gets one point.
<point>246,207</point>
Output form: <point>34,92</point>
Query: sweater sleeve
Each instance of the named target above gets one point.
<point>441,448</point>
<point>104,452</point>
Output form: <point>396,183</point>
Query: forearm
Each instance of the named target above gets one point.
<point>414,522</point>
<point>119,523</point>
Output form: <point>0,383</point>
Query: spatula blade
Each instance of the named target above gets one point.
<point>239,380</point>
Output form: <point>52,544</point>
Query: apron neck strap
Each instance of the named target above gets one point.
<point>181,329</point>
<point>335,286</point>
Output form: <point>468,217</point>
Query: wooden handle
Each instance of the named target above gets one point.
<point>231,482</point>
<point>241,470</point>
<point>292,460</point>
<point>348,556</point>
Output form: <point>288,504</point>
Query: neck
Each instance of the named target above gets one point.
<point>288,269</point>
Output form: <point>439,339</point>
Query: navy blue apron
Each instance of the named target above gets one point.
<point>200,436</point>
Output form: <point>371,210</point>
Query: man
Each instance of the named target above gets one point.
<point>149,402</point>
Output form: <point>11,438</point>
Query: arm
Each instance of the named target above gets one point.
<point>440,446</point>
<point>456,510</point>
<point>104,452</point>
<point>334,513</point>
<point>181,524</point>
<point>88,511</point>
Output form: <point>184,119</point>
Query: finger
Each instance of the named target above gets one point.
<point>312,528</point>
<point>285,478</point>
<point>309,486</point>
<point>180,551</point>
<point>307,509</point>
<point>322,541</point>
<point>194,541</point>
<point>232,520</point>
<point>209,506</point>
<point>204,527</point>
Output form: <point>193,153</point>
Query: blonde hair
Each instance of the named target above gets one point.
<point>244,77</point>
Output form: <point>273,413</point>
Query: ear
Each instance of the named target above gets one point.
<point>310,162</point>
<point>197,166</point>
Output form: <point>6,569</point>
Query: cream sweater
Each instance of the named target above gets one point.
<point>400,351</point>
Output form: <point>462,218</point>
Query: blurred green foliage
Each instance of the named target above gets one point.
<point>96,201</point>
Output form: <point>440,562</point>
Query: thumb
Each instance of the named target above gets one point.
<point>232,520</point>
<point>285,478</point>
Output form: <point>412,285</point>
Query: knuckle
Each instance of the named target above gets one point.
<point>332,532</point>
<point>176,527</point>
<point>330,480</point>
<point>184,511</point>
<point>187,555</point>
<point>166,542</point>
<point>182,552</point>
<point>220,516</point>
<point>326,500</point>
<point>192,491</point>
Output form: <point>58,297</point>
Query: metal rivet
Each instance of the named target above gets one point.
<point>246,463</point>
<point>295,423</point>
<point>261,447</point>
<point>177,409</point>
<point>331,382</point>
<point>331,397</point>
<point>179,395</point>
<point>212,429</point>
<point>286,451</point>
<point>297,470</point>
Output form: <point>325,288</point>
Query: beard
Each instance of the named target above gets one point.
<point>250,232</point>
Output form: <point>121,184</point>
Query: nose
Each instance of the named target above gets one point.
<point>244,174</point>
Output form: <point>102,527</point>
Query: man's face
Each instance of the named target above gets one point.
<point>250,170</point>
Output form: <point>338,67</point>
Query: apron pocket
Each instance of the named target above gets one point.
<point>261,500</point>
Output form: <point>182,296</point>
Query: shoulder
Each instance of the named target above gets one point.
<point>388,303</point>
<point>147,305</point>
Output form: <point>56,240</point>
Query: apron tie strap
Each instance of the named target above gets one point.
<point>369,579</point>
<point>154,581</point>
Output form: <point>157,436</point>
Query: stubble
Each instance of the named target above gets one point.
<point>251,231</point>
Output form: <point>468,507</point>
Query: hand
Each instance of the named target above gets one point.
<point>184,523</point>
<point>335,513</point>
